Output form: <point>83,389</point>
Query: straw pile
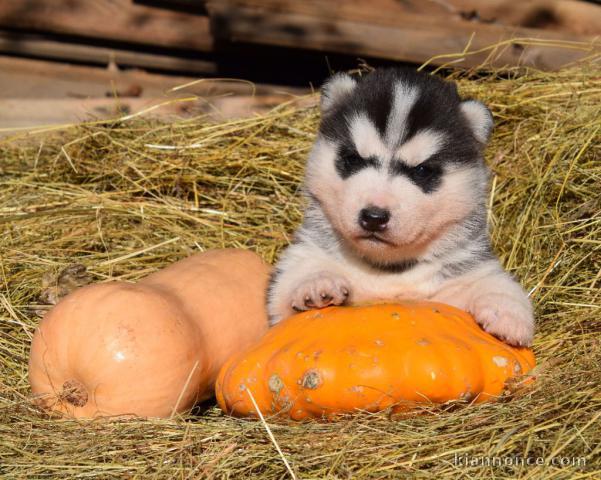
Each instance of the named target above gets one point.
<point>125,198</point>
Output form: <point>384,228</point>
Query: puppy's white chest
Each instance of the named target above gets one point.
<point>412,285</point>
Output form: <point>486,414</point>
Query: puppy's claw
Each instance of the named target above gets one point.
<point>308,302</point>
<point>321,291</point>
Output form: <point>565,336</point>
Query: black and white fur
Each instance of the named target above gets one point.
<point>396,190</point>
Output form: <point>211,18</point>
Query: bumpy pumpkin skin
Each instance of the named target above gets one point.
<point>153,348</point>
<point>342,359</point>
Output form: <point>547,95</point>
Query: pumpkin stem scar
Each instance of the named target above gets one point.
<point>311,380</point>
<point>74,393</point>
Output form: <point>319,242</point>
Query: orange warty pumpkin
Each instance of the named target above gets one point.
<point>337,360</point>
<point>152,348</point>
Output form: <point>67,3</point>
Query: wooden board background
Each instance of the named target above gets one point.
<point>51,50</point>
<point>199,37</point>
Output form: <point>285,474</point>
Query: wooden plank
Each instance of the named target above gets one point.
<point>41,47</point>
<point>578,17</point>
<point>405,37</point>
<point>573,16</point>
<point>34,78</point>
<point>37,92</point>
<point>19,115</point>
<point>117,20</point>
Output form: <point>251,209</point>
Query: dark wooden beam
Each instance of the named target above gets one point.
<point>568,16</point>
<point>38,46</point>
<point>115,20</point>
<point>404,36</point>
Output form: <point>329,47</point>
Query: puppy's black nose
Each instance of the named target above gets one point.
<point>373,219</point>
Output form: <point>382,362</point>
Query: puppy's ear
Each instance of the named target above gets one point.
<point>336,88</point>
<point>479,119</point>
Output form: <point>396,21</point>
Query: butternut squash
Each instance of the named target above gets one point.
<point>152,348</point>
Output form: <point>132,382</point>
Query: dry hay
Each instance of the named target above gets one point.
<point>127,197</point>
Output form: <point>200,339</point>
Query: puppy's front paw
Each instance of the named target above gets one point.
<point>319,291</point>
<point>506,317</point>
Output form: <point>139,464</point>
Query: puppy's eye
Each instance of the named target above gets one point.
<point>349,162</point>
<point>422,171</point>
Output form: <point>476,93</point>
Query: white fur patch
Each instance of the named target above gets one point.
<point>321,177</point>
<point>322,154</point>
<point>366,138</point>
<point>335,89</point>
<point>404,98</point>
<point>420,147</point>
<point>479,118</point>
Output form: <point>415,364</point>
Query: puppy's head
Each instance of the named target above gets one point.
<point>397,162</point>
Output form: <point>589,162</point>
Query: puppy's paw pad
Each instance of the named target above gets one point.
<point>505,317</point>
<point>319,291</point>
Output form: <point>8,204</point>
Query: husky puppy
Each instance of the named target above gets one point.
<point>396,190</point>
